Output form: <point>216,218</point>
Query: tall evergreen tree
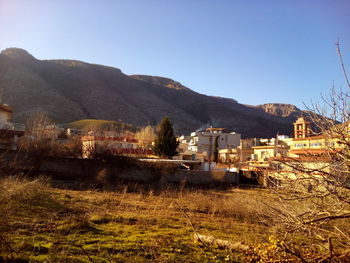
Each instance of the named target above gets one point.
<point>165,144</point>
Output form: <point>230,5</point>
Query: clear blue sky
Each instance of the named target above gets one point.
<point>255,51</point>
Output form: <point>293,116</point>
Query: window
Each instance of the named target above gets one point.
<point>300,145</point>
<point>316,144</point>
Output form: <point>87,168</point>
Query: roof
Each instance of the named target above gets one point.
<point>5,107</point>
<point>215,129</point>
<point>170,161</point>
<point>301,120</point>
<point>316,137</point>
<point>309,159</point>
<point>138,151</point>
<point>312,151</point>
<point>106,138</point>
<point>267,147</point>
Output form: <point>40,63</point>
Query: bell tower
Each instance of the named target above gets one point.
<point>302,128</point>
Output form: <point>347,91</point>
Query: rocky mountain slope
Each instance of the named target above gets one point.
<point>70,90</point>
<point>281,110</point>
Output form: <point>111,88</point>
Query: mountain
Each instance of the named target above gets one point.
<point>160,81</point>
<point>71,90</point>
<point>281,110</point>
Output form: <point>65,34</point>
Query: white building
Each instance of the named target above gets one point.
<point>207,140</point>
<point>9,132</point>
<point>5,114</point>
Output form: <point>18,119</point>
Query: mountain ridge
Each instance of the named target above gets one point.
<point>70,90</point>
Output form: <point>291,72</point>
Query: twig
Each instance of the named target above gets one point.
<point>341,232</point>
<point>192,226</point>
<point>344,216</point>
<point>293,253</point>
<point>342,63</point>
<point>330,249</point>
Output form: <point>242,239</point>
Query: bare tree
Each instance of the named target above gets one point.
<point>40,139</point>
<point>36,123</point>
<point>146,137</point>
<point>313,190</point>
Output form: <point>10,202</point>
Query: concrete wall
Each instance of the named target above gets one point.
<point>229,140</point>
<point>73,168</point>
<point>88,169</point>
<point>201,177</point>
<point>66,168</point>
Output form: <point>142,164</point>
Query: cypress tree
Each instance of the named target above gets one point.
<point>165,144</point>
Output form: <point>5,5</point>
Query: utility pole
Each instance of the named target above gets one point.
<point>210,150</point>
<point>1,92</point>
<point>277,149</point>
<point>276,144</point>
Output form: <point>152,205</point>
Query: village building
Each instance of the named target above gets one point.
<point>302,128</point>
<point>229,155</point>
<point>118,145</point>
<point>256,149</point>
<point>184,142</point>
<point>258,153</point>
<point>308,156</point>
<point>271,148</point>
<point>74,132</point>
<point>213,139</point>
<point>246,149</point>
<point>5,114</point>
<point>9,132</point>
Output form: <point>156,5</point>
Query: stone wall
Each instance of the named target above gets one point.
<point>132,170</point>
<point>67,168</point>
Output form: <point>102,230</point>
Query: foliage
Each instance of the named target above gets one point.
<point>146,136</point>
<point>271,251</point>
<point>165,144</point>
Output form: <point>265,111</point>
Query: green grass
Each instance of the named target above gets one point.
<point>87,124</point>
<point>40,223</point>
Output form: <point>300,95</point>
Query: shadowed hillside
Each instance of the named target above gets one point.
<point>71,90</point>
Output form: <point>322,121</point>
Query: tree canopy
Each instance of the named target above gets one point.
<point>165,144</point>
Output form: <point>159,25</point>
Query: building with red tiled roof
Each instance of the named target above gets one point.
<point>119,145</point>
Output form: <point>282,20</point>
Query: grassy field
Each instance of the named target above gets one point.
<point>46,224</point>
<point>41,221</point>
<point>88,124</point>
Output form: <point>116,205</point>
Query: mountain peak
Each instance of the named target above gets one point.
<point>279,109</point>
<point>17,53</point>
<point>161,81</point>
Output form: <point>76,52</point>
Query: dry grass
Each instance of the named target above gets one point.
<point>45,224</point>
